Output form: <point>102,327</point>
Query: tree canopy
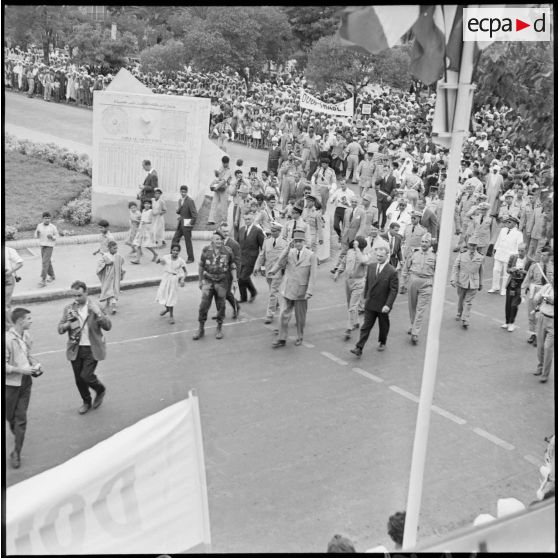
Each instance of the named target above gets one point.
<point>168,57</point>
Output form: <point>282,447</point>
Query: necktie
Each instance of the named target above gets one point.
<point>274,242</point>
<point>294,227</point>
<point>543,279</point>
<point>298,256</point>
<point>273,214</point>
<point>482,217</point>
<point>508,231</point>
<point>391,241</point>
<point>351,216</point>
<point>413,229</point>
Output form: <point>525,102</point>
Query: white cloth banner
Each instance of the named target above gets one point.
<point>141,491</point>
<point>344,108</point>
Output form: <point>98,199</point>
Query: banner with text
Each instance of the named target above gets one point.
<point>344,108</point>
<point>141,491</point>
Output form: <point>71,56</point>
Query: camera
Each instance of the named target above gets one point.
<point>17,278</point>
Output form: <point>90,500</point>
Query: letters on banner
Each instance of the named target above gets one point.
<point>344,108</point>
<point>143,490</point>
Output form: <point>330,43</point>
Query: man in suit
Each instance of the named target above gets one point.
<point>84,321</point>
<point>384,192</point>
<point>251,239</point>
<point>380,291</point>
<point>147,189</point>
<point>355,218</point>
<point>187,215</point>
<point>429,221</point>
<point>394,239</point>
<point>300,266</point>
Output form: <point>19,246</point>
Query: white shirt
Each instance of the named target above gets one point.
<point>11,260</point>
<point>507,244</point>
<point>380,267</point>
<point>83,312</point>
<point>43,230</point>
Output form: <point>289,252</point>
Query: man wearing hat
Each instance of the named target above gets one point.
<point>467,276</point>
<point>370,215</point>
<point>300,267</point>
<point>215,265</point>
<point>419,267</point>
<point>412,236</point>
<point>507,244</point>
<point>313,218</point>
<point>480,226</point>
<point>296,223</point>
<point>287,174</point>
<point>271,251</point>
<point>463,206</point>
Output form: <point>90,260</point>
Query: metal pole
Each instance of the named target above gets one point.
<point>460,126</point>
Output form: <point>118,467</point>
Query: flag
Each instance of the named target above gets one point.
<point>438,32</point>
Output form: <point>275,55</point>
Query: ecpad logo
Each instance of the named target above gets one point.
<point>506,24</point>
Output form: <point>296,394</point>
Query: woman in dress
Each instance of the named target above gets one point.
<point>174,274</point>
<point>110,271</point>
<point>144,236</point>
<point>159,210</point>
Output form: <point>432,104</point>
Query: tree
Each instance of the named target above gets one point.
<point>167,57</point>
<point>393,67</point>
<point>238,37</point>
<point>521,76</point>
<point>41,24</point>
<point>311,23</point>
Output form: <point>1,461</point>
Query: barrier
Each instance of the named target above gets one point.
<point>143,490</point>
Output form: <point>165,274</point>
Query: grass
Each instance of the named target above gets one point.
<point>33,186</point>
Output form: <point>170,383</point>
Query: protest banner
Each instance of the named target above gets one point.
<point>344,108</point>
<point>366,108</point>
<point>141,491</point>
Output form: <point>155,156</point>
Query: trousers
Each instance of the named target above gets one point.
<point>210,289</point>
<point>84,367</point>
<point>420,295</point>
<point>16,400</point>
<point>545,344</point>
<point>300,309</point>
<point>46,268</point>
<point>465,299</point>
<point>499,275</point>
<point>512,304</point>
<point>274,283</point>
<point>338,218</point>
<point>353,290</point>
<point>185,232</point>
<point>370,317</point>
<point>352,164</point>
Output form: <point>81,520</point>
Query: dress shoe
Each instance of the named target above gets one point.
<point>502,293</point>
<point>537,373</point>
<point>464,324</point>
<point>511,327</point>
<point>298,342</point>
<point>543,380</point>
<point>99,399</point>
<point>278,343</point>
<point>531,338</point>
<point>492,291</point>
<point>357,351</point>
<point>253,297</point>
<point>381,347</point>
<point>347,334</point>
<point>356,326</point>
<point>410,331</point>
<point>15,460</point>
<point>268,319</point>
<point>504,326</point>
<point>456,249</point>
<point>333,270</point>
<point>84,408</point>
<point>414,339</point>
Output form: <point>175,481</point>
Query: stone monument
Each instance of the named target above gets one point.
<point>131,124</point>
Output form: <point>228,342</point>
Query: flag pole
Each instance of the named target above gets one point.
<point>460,126</point>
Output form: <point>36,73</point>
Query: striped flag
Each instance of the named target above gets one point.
<point>438,32</point>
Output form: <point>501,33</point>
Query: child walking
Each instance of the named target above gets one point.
<point>110,271</point>
<point>47,234</point>
<point>135,218</point>
<point>144,236</point>
<point>104,238</point>
<point>174,274</point>
<point>159,210</point>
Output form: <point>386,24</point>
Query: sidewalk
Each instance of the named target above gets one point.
<point>72,262</point>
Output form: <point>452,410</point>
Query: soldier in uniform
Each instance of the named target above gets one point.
<point>271,250</point>
<point>216,262</point>
<point>286,175</point>
<point>466,275</point>
<point>465,204</point>
<point>313,218</point>
<point>412,237</point>
<point>296,223</point>
<point>300,266</point>
<point>420,266</point>
<point>479,227</point>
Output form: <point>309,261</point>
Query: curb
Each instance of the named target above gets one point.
<point>57,294</point>
<point>90,238</point>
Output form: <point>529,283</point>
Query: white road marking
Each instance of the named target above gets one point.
<point>448,415</point>
<point>493,439</point>
<point>480,314</point>
<point>404,393</point>
<point>533,460</point>
<point>367,375</point>
<point>334,358</point>
<point>309,345</point>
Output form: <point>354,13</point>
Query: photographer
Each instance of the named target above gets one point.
<point>84,322</point>
<point>20,366</point>
<point>12,262</point>
<point>544,301</point>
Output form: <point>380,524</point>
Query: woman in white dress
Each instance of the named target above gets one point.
<point>174,274</point>
<point>144,236</point>
<point>159,210</point>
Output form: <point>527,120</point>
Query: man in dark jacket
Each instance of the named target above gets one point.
<point>187,215</point>
<point>251,238</point>
<point>380,291</point>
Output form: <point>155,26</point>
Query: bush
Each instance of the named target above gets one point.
<point>11,232</point>
<point>51,153</point>
<point>78,211</point>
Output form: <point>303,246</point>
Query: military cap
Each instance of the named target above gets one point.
<point>299,235</point>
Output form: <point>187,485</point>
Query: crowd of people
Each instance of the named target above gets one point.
<point>372,185</point>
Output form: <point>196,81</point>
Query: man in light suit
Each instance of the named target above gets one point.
<point>300,265</point>
<point>84,322</point>
<point>251,238</point>
<point>355,219</point>
<point>297,223</point>
<point>380,291</point>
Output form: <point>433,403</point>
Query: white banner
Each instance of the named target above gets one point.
<point>344,108</point>
<point>142,490</point>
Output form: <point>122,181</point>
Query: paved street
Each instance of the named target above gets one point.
<point>304,442</point>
